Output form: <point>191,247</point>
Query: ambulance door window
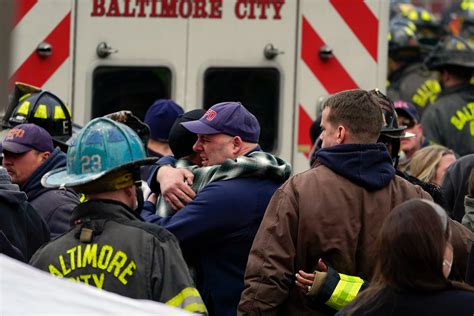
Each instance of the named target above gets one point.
<point>258,89</point>
<point>116,88</point>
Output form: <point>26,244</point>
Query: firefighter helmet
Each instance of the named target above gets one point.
<point>391,132</point>
<point>451,51</point>
<point>33,105</point>
<point>390,117</point>
<point>428,27</point>
<point>101,149</point>
<point>459,20</point>
<point>402,41</point>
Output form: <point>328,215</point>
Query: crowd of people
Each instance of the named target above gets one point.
<point>186,209</point>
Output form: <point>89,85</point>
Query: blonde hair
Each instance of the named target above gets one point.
<point>425,162</point>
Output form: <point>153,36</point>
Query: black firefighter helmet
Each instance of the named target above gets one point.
<point>29,104</point>
<point>427,26</point>
<point>402,41</point>
<point>451,51</point>
<point>391,132</point>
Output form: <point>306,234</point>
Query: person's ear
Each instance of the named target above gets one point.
<point>237,144</point>
<point>129,190</point>
<point>341,134</point>
<point>420,128</point>
<point>44,155</point>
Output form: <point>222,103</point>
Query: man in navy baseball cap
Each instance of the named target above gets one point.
<point>227,130</point>
<point>25,148</point>
<point>28,154</point>
<point>216,225</point>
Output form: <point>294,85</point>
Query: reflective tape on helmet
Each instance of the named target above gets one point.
<point>188,299</point>
<point>24,108</point>
<point>409,31</point>
<point>346,290</point>
<point>413,15</point>
<point>24,97</point>
<point>59,113</point>
<point>41,111</point>
<point>425,16</point>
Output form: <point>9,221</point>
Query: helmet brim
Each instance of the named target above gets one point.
<point>60,178</point>
<point>400,135</point>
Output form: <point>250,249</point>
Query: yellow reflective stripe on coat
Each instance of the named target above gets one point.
<point>346,290</point>
<point>188,299</point>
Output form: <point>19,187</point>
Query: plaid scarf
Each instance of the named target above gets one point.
<point>257,164</point>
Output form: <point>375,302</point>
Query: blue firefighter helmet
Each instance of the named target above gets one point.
<point>103,147</point>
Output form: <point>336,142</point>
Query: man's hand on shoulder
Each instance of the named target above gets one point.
<point>175,184</point>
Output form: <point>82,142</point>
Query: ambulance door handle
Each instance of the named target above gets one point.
<point>103,50</point>
<point>270,52</point>
<point>44,49</point>
<point>325,52</point>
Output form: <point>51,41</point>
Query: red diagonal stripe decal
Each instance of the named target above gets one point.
<point>304,125</point>
<point>330,72</point>
<point>36,70</point>
<point>22,8</point>
<point>361,21</point>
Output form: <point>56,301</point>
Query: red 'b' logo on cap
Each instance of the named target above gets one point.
<point>210,115</point>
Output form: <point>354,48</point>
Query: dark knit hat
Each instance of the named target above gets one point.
<point>181,140</point>
<point>160,117</point>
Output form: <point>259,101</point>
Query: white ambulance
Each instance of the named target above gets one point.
<point>278,57</point>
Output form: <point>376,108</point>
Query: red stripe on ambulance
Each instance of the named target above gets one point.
<point>304,139</point>
<point>36,70</point>
<point>22,8</point>
<point>361,21</point>
<point>329,72</point>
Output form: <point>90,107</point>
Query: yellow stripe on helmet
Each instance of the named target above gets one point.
<point>24,108</point>
<point>41,112</point>
<point>59,113</point>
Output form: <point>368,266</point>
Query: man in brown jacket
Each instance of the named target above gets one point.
<point>332,211</point>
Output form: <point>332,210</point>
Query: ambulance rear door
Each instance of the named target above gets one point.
<point>128,54</point>
<point>248,55</point>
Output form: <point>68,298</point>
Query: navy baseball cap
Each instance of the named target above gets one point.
<point>407,109</point>
<point>230,118</point>
<point>25,137</point>
<point>160,117</point>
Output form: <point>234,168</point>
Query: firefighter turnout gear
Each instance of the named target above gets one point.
<point>147,264</point>
<point>334,289</point>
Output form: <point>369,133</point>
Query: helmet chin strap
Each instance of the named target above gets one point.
<point>139,193</point>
